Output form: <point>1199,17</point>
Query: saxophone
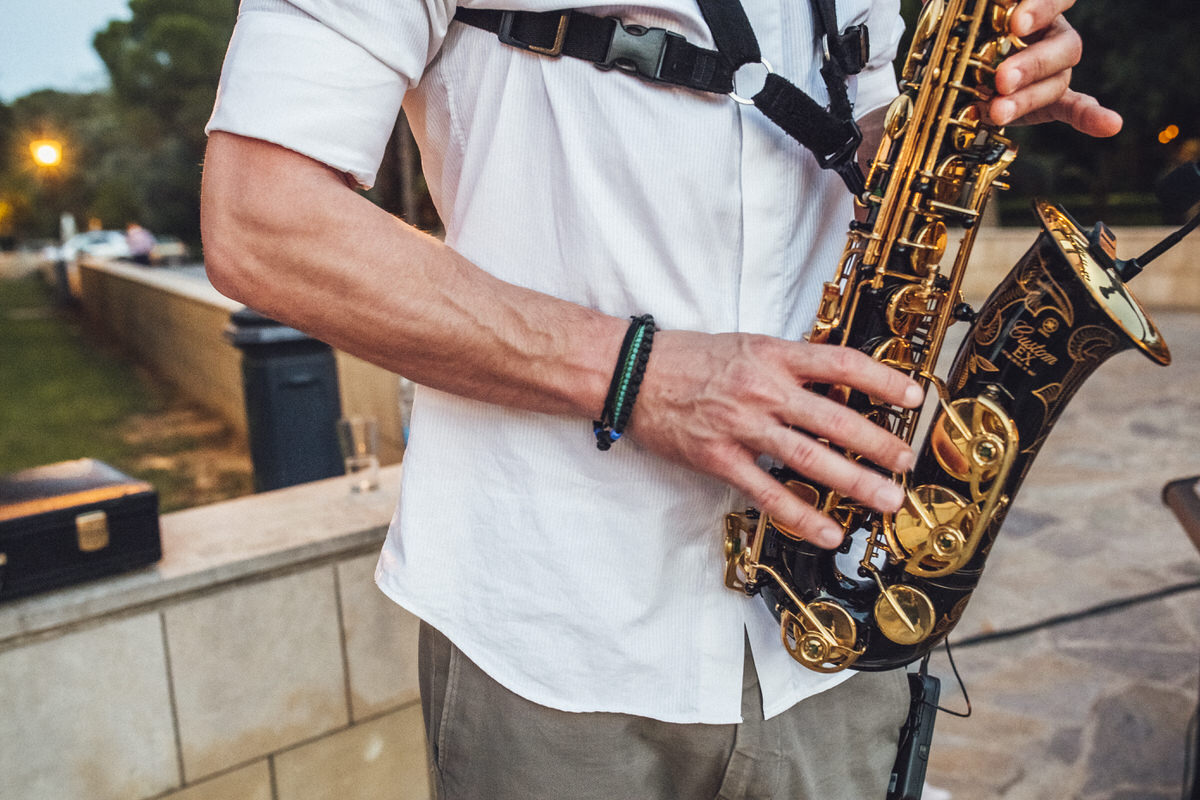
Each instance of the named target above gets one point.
<point>900,581</point>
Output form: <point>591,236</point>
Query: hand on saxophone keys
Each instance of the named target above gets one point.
<point>715,403</point>
<point>1033,85</point>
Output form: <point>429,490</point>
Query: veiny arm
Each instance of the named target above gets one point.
<point>287,236</point>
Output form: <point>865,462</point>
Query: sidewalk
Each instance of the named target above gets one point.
<point>1099,708</point>
<point>17,264</point>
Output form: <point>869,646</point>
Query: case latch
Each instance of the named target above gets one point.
<point>91,531</point>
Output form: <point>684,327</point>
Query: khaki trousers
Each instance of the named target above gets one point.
<point>487,743</point>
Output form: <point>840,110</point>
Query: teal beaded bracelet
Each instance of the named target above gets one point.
<point>626,381</point>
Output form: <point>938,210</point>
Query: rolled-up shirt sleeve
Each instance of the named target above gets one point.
<point>326,80</point>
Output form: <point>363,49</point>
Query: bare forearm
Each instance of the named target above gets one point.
<point>285,235</point>
<point>290,239</point>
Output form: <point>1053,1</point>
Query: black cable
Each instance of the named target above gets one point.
<point>1009,633</point>
<point>1189,760</point>
<point>1103,608</point>
<point>962,686</point>
<point>1191,787</point>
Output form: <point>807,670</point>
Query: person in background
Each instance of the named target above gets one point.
<point>140,242</point>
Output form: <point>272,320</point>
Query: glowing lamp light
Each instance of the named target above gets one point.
<point>46,152</point>
<point>1168,134</point>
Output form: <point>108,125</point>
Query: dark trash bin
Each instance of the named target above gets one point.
<point>292,401</point>
<point>62,283</point>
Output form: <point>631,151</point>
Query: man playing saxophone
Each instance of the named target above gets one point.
<point>577,641</point>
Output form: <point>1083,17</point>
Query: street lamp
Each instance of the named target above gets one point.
<point>46,152</point>
<point>47,155</point>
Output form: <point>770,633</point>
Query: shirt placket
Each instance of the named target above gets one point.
<point>763,187</point>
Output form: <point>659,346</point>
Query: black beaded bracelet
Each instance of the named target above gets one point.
<point>626,381</point>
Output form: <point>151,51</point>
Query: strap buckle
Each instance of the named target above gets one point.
<point>637,50</point>
<point>504,33</point>
<point>851,49</point>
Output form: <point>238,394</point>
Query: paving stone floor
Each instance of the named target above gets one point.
<point>1099,708</point>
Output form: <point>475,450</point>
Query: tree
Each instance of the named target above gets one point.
<point>1140,59</point>
<point>164,63</point>
<point>36,195</point>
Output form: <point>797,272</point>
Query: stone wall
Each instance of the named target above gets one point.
<point>256,660</point>
<point>173,323</point>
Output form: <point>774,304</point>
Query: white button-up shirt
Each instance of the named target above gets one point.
<point>581,580</point>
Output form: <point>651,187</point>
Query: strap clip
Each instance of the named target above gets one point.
<point>850,49</point>
<point>845,151</point>
<point>844,160</point>
<point>504,33</point>
<point>637,50</point>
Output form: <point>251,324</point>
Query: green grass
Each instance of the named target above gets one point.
<point>66,394</point>
<point>61,397</point>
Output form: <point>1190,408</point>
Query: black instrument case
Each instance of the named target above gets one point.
<point>73,521</point>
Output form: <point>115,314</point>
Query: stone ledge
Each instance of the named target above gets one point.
<point>172,321</point>
<point>216,545</point>
<point>182,285</point>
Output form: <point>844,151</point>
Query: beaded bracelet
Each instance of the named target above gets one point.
<point>626,381</point>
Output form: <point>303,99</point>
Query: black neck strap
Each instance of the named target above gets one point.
<point>830,134</point>
<point>731,31</point>
<point>661,56</point>
<point>653,54</point>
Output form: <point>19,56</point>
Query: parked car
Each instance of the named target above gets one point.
<point>102,244</point>
<point>168,251</point>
